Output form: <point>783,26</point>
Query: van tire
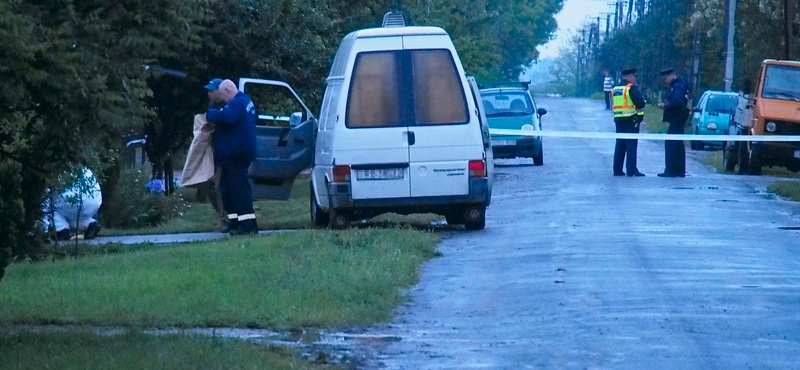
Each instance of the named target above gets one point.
<point>744,158</point>
<point>755,165</point>
<point>476,224</point>
<point>729,155</point>
<point>319,217</point>
<point>538,159</point>
<point>338,220</point>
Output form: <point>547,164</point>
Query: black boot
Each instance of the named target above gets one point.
<point>233,225</point>
<point>247,227</point>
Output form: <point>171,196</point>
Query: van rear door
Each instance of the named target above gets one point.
<point>374,141</point>
<point>446,131</point>
<point>284,137</point>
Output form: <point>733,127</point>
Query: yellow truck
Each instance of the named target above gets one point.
<point>773,108</point>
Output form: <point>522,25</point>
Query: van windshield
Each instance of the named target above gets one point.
<point>507,104</point>
<point>405,88</point>
<point>782,82</point>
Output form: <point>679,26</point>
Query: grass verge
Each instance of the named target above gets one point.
<point>297,279</point>
<point>83,350</point>
<point>201,217</point>
<point>786,189</point>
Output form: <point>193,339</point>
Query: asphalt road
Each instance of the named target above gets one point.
<point>578,269</point>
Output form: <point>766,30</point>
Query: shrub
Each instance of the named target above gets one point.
<point>136,205</point>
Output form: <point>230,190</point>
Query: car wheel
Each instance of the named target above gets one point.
<point>755,165</point>
<point>538,159</point>
<point>729,156</point>
<point>338,220</point>
<point>744,158</point>
<point>475,218</point>
<point>319,217</point>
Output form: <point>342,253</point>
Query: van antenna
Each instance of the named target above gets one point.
<point>394,19</point>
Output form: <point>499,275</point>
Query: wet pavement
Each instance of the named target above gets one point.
<point>167,238</point>
<point>578,269</point>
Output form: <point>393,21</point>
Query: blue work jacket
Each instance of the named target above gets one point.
<point>234,130</point>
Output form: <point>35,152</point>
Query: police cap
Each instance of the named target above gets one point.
<point>629,71</point>
<point>667,71</point>
<point>214,84</point>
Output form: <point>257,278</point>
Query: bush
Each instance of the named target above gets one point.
<point>135,205</point>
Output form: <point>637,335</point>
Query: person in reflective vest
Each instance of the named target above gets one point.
<point>628,104</point>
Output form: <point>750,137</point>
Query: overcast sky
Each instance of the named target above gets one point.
<point>570,19</point>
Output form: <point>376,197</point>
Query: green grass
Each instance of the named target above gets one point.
<point>786,189</point>
<point>134,351</point>
<point>201,217</point>
<point>652,120</point>
<point>297,279</point>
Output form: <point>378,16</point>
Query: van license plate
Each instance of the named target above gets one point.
<point>380,174</point>
<point>797,153</point>
<point>504,142</point>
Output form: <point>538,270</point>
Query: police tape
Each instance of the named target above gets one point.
<point>614,135</point>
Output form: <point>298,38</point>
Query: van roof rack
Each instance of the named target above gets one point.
<point>394,19</point>
<point>485,85</point>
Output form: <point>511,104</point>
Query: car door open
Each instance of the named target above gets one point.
<point>284,137</point>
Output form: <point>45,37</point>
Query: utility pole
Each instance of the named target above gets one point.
<point>789,8</point>
<point>608,24</point>
<point>729,48</point>
<point>697,50</point>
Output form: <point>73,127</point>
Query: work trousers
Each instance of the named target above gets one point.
<point>675,150</point>
<point>234,187</point>
<point>626,148</point>
<point>608,99</point>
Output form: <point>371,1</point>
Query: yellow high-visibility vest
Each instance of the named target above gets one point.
<point>623,104</point>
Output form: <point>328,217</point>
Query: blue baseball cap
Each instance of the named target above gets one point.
<point>214,84</point>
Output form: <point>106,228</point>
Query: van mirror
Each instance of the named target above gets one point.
<point>541,111</point>
<point>295,119</point>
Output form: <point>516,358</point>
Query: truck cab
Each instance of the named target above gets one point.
<point>773,108</point>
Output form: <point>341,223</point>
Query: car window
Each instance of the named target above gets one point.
<point>274,104</point>
<point>722,103</point>
<point>374,100</point>
<point>329,106</point>
<point>438,93</point>
<point>782,82</point>
<point>507,104</point>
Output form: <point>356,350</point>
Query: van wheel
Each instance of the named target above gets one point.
<point>319,217</point>
<point>744,158</point>
<point>338,221</point>
<point>755,165</point>
<point>538,159</point>
<point>729,156</point>
<point>475,218</point>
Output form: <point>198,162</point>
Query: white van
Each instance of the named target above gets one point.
<point>401,129</point>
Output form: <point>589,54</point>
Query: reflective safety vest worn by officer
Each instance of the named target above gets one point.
<point>623,104</point>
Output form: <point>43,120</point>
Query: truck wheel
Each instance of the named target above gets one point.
<point>744,158</point>
<point>338,221</point>
<point>538,159</point>
<point>319,217</point>
<point>755,164</point>
<point>729,155</point>
<point>475,218</point>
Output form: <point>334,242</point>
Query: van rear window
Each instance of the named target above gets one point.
<point>437,88</point>
<point>405,88</point>
<point>374,100</point>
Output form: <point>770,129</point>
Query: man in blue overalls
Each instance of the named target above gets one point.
<point>234,150</point>
<point>675,113</point>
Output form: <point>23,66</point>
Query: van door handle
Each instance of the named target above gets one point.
<point>411,138</point>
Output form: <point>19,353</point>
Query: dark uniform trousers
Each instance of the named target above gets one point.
<point>237,197</point>
<point>675,150</point>
<point>626,147</point>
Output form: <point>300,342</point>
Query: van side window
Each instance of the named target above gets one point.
<point>438,94</point>
<point>330,105</point>
<point>374,100</point>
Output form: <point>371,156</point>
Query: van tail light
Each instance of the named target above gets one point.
<point>341,173</point>
<point>477,168</point>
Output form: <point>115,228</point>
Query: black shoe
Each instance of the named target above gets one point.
<point>249,227</point>
<point>91,231</point>
<point>233,225</point>
<point>664,174</point>
<point>64,235</point>
<point>637,174</point>
<point>619,173</point>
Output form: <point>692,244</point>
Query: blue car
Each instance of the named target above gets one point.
<point>712,116</point>
<point>510,106</point>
